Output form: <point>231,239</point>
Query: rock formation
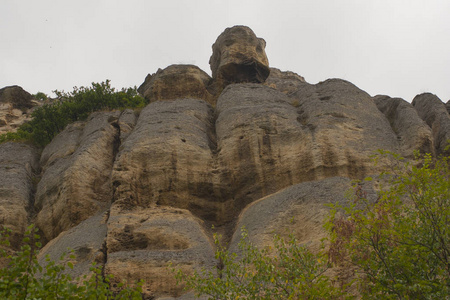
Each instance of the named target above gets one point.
<point>177,81</point>
<point>134,191</point>
<point>239,56</point>
<point>16,105</point>
<point>433,111</point>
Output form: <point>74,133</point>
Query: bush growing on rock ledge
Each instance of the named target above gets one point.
<point>48,120</point>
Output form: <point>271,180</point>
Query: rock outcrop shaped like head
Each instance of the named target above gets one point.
<point>239,56</point>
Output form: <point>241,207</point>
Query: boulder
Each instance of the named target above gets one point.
<point>239,56</point>
<point>18,167</point>
<point>447,105</point>
<point>433,111</point>
<point>16,106</point>
<point>412,132</point>
<point>177,82</point>
<point>146,243</point>
<point>76,166</point>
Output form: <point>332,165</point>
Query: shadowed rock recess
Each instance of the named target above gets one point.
<point>251,145</point>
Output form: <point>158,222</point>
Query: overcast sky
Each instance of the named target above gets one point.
<point>398,48</point>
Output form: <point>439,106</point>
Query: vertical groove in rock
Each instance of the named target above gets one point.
<point>18,166</point>
<point>411,131</point>
<point>76,169</point>
<point>433,111</point>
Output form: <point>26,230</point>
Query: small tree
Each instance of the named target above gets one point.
<point>400,243</point>
<point>24,278</point>
<point>290,272</point>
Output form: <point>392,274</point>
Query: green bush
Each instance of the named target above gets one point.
<point>290,272</point>
<point>50,119</point>
<point>40,96</point>
<point>400,243</point>
<point>24,278</point>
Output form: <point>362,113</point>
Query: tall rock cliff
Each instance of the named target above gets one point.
<point>251,145</point>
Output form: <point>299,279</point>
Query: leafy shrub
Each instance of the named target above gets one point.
<point>40,96</point>
<point>50,119</point>
<point>400,243</point>
<point>293,272</point>
<point>24,278</point>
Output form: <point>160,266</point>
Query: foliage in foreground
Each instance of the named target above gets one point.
<point>50,119</point>
<point>400,244</point>
<point>291,272</point>
<point>24,278</point>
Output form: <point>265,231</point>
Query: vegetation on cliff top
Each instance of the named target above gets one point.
<point>50,119</point>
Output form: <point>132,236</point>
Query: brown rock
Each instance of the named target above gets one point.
<point>142,243</point>
<point>76,167</point>
<point>412,132</point>
<point>17,96</point>
<point>265,143</point>
<point>433,111</point>
<point>176,82</point>
<point>447,105</point>
<point>239,56</point>
<point>167,159</point>
<point>18,166</point>
<point>285,81</point>
<point>16,106</point>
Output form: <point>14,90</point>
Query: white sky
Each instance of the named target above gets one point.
<point>395,47</point>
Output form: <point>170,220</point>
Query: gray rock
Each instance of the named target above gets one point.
<point>76,165</point>
<point>85,241</point>
<point>299,210</point>
<point>412,132</point>
<point>433,111</point>
<point>18,166</point>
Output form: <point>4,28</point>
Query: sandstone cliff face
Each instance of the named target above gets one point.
<point>76,168</point>
<point>136,191</point>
